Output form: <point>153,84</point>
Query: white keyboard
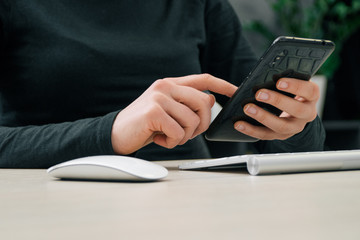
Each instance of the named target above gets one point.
<point>258,164</point>
<point>234,161</point>
<point>303,162</point>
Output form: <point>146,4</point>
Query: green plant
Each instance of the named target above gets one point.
<point>335,20</point>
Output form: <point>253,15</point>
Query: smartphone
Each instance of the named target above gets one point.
<point>286,57</point>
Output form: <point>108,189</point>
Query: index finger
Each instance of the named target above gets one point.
<point>204,82</point>
<point>305,89</point>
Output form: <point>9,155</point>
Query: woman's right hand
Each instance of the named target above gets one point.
<point>169,113</point>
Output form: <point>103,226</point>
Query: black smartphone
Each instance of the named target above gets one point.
<point>286,57</point>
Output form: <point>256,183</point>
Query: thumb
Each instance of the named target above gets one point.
<point>212,99</point>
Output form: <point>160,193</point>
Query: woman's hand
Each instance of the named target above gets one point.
<point>169,113</point>
<point>297,112</point>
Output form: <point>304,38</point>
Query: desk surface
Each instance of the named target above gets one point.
<point>186,205</point>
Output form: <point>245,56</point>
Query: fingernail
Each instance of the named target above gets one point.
<point>250,109</point>
<point>283,85</point>
<point>240,127</point>
<point>263,96</point>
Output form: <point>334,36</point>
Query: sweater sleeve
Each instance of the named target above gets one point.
<point>44,146</point>
<point>228,55</point>
<point>312,138</point>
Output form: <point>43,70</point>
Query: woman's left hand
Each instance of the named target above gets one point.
<point>297,112</point>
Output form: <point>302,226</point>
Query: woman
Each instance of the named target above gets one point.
<point>81,78</point>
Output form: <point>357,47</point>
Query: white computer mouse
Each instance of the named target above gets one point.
<point>109,167</point>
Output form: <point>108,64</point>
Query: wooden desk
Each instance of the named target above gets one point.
<point>186,205</point>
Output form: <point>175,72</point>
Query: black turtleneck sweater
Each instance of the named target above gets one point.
<point>67,68</point>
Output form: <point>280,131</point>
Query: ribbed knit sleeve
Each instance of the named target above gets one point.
<point>46,145</point>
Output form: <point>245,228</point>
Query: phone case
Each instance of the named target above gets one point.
<point>286,57</point>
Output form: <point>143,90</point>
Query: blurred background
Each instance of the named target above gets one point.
<point>339,21</point>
